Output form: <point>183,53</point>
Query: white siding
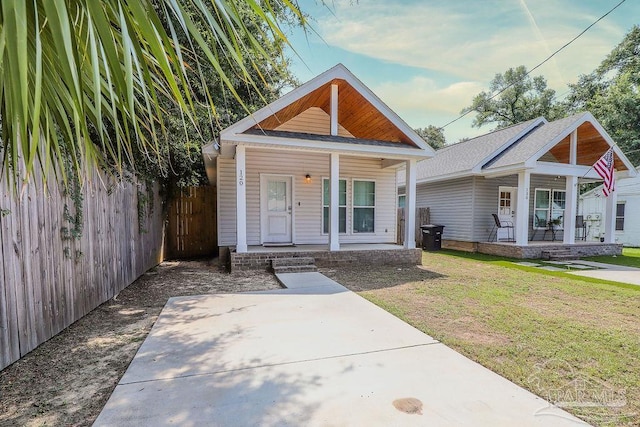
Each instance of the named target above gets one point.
<point>226,202</point>
<point>307,197</point>
<point>628,193</point>
<point>313,120</point>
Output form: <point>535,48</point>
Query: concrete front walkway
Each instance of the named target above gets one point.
<point>616,273</point>
<point>314,354</point>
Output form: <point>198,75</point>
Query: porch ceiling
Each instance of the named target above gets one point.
<point>591,145</point>
<point>355,113</point>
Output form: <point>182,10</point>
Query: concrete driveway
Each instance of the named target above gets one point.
<point>315,354</point>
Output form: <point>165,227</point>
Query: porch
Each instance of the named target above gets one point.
<point>260,257</point>
<point>540,249</point>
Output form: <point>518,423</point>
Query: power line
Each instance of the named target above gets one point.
<point>542,63</point>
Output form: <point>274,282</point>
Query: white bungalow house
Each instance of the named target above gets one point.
<point>315,171</point>
<point>592,207</point>
<point>528,176</point>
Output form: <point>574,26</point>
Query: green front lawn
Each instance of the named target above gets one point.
<point>559,336</point>
<point>630,257</point>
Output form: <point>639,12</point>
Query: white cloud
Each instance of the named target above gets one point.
<point>474,40</point>
<point>423,94</point>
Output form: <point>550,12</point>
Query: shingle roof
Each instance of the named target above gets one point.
<point>533,142</point>
<point>327,138</point>
<point>466,155</point>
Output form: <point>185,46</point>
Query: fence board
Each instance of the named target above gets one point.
<point>422,217</point>
<point>47,283</point>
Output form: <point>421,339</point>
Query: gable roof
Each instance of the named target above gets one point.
<point>523,146</point>
<point>471,154</point>
<point>359,111</point>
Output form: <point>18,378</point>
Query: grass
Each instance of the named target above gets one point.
<point>558,335</point>
<point>630,257</point>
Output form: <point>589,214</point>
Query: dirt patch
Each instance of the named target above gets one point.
<point>68,379</point>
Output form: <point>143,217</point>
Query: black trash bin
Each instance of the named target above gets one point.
<point>432,237</point>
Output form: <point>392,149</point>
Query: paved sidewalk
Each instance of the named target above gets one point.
<point>314,354</point>
<point>617,273</point>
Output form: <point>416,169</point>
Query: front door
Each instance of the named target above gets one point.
<point>275,209</point>
<point>507,211</point>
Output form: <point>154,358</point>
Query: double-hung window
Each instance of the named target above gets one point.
<point>342,206</point>
<point>364,206</point>
<point>620,217</point>
<point>549,205</point>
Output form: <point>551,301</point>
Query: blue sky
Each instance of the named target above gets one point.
<point>427,58</point>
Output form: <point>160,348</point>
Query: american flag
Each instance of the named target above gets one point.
<point>604,167</point>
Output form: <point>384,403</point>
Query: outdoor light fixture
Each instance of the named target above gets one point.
<point>307,179</point>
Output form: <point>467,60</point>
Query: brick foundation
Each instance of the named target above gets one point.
<point>262,260</point>
<point>579,250</point>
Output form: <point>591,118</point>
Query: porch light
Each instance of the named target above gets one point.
<point>307,179</point>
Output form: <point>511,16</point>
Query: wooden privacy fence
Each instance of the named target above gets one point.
<point>422,218</point>
<point>49,278</point>
<point>191,226</point>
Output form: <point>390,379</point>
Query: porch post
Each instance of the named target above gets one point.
<point>334,203</point>
<point>571,195</point>
<point>570,210</point>
<point>522,212</point>
<point>610,217</point>
<point>241,200</point>
<point>410,205</point>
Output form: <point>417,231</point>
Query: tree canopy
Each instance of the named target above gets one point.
<point>86,83</point>
<point>433,135</point>
<point>513,97</point>
<point>612,94</point>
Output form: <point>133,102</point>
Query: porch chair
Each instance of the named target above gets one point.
<point>538,223</point>
<point>581,225</point>
<point>501,224</point>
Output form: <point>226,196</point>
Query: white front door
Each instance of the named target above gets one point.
<point>507,197</point>
<point>275,208</point>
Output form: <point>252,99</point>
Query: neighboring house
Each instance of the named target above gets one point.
<point>593,208</point>
<point>527,174</point>
<point>316,167</point>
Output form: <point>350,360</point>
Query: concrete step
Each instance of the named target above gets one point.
<point>286,262</point>
<point>558,255</point>
<point>295,269</point>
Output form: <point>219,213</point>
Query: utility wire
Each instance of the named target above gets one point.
<point>542,63</point>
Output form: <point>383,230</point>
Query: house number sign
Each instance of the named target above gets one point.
<point>241,177</point>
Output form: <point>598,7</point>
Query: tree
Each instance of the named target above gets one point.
<point>433,135</point>
<point>82,82</point>
<point>612,94</point>
<point>514,97</point>
<point>182,164</point>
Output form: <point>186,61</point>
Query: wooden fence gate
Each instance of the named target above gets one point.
<point>422,218</point>
<point>192,225</point>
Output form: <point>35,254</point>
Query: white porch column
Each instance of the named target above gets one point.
<point>241,200</point>
<point>410,205</point>
<point>334,203</point>
<point>571,195</point>
<point>570,210</point>
<point>522,209</point>
<point>610,217</point>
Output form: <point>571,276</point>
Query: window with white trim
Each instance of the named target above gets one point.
<point>401,200</point>
<point>342,205</point>
<point>620,217</point>
<point>549,205</point>
<point>364,206</point>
